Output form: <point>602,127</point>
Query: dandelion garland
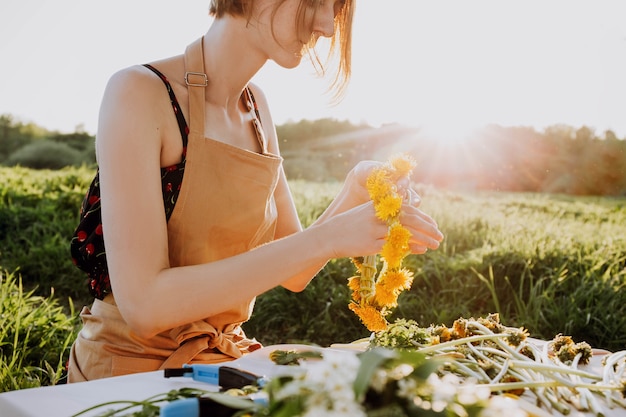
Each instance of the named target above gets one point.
<point>373,296</point>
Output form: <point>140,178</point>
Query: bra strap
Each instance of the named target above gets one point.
<point>196,80</point>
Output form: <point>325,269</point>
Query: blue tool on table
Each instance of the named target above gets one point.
<point>225,377</point>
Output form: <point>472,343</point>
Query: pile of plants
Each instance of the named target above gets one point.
<point>475,367</point>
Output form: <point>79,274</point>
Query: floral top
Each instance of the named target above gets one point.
<point>87,244</point>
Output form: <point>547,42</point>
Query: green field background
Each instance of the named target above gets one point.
<point>550,263</point>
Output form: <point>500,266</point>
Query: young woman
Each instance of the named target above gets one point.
<point>191,201</point>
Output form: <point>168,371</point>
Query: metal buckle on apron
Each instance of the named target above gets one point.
<point>202,83</point>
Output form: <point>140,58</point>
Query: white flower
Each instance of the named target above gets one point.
<point>443,389</point>
<point>407,388</point>
<point>500,405</point>
<point>379,380</point>
<point>327,386</point>
<point>335,368</point>
<point>472,393</point>
<point>401,371</point>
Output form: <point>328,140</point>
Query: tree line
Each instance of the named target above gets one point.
<point>559,159</point>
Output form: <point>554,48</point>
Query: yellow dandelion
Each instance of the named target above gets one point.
<point>386,296</point>
<point>370,317</point>
<point>372,295</point>
<point>358,262</point>
<point>379,184</point>
<point>399,237</point>
<point>355,285</point>
<point>388,207</point>
<point>403,164</point>
<point>399,279</point>
<point>392,256</point>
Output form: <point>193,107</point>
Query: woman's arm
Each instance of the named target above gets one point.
<point>152,296</point>
<point>424,230</point>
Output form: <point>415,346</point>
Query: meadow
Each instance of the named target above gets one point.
<point>549,263</point>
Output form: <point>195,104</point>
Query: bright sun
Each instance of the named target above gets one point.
<point>448,134</point>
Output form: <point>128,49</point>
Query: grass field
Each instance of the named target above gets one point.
<point>550,263</point>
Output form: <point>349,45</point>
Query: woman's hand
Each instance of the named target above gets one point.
<point>358,232</point>
<point>355,186</point>
<point>355,232</point>
<point>425,233</point>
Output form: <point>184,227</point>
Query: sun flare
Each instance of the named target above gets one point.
<point>449,134</point>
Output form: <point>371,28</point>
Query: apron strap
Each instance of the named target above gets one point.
<point>215,340</point>
<point>185,354</point>
<point>196,80</point>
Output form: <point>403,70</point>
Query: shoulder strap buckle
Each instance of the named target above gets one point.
<point>191,79</point>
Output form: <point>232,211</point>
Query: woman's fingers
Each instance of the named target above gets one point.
<point>425,233</point>
<point>357,232</point>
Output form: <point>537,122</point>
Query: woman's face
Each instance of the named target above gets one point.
<point>283,39</point>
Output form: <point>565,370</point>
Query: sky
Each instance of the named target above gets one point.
<point>447,66</point>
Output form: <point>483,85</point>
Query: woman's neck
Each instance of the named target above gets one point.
<point>230,59</point>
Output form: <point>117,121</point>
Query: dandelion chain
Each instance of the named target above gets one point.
<point>375,293</point>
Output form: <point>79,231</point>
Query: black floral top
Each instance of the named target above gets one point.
<point>87,244</point>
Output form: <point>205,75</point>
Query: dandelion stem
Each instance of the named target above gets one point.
<point>453,343</point>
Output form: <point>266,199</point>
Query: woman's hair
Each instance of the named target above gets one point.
<point>340,43</point>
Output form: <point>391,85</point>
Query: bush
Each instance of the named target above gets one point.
<point>35,337</point>
<point>45,154</point>
<point>39,210</point>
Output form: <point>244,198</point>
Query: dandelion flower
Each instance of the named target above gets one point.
<point>388,207</point>
<point>386,295</point>
<point>370,317</point>
<point>354,285</point>
<point>379,184</point>
<point>358,262</point>
<point>396,246</point>
<point>399,236</point>
<point>403,164</point>
<point>372,295</point>
<point>400,279</point>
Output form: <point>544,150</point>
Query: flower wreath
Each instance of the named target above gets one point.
<point>375,293</point>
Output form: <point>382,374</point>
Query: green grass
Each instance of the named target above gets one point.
<point>35,337</point>
<point>550,263</point>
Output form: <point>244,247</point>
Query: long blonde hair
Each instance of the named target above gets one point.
<point>340,43</point>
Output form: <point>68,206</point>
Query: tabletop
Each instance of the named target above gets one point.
<point>69,399</point>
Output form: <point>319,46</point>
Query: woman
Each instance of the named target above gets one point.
<point>192,203</point>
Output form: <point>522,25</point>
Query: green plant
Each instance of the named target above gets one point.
<point>38,213</point>
<point>35,336</point>
<point>550,263</point>
<point>45,154</point>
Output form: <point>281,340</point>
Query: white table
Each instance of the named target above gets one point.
<point>66,400</point>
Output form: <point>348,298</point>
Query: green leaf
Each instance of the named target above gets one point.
<point>422,365</point>
<point>370,361</point>
<point>236,403</point>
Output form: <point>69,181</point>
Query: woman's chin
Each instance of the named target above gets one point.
<point>289,63</point>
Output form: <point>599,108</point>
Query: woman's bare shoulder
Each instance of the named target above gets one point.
<point>138,87</point>
<point>134,80</point>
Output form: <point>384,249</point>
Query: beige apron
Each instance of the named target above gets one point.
<point>225,207</point>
